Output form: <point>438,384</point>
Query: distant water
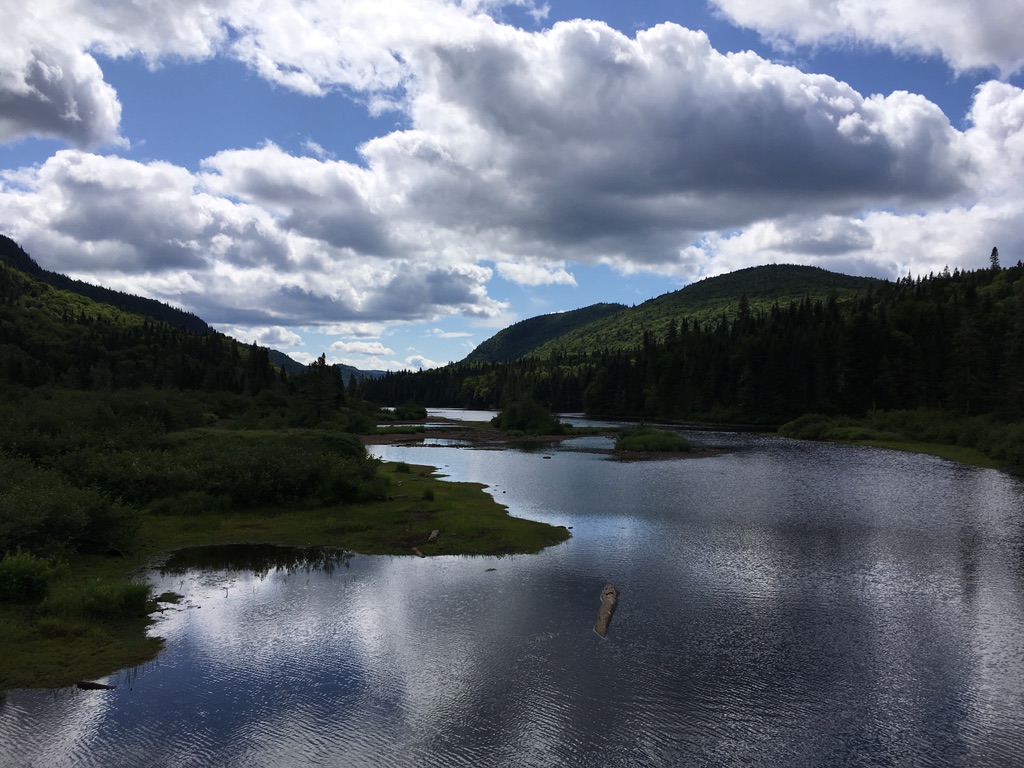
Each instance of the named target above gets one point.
<point>781,603</point>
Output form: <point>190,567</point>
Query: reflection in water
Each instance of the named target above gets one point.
<point>781,604</point>
<point>260,559</point>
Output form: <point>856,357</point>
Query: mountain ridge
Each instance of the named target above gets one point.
<point>704,301</point>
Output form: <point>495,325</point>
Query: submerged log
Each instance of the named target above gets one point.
<point>609,599</point>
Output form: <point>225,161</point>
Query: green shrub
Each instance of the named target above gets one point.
<point>528,417</point>
<point>41,511</point>
<point>99,601</point>
<point>24,578</point>
<point>810,426</point>
<point>428,494</point>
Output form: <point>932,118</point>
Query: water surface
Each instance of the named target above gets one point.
<point>781,603</point>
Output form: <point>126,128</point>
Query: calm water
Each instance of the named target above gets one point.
<point>782,603</point>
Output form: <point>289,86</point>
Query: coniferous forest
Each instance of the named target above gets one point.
<point>106,415</point>
<point>951,344</point>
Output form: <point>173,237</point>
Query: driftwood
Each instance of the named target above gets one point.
<point>417,552</point>
<point>433,535</point>
<point>86,685</point>
<point>609,599</point>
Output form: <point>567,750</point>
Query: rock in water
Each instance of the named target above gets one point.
<point>609,599</point>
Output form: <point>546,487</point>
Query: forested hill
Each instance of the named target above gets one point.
<point>709,300</point>
<point>13,255</point>
<point>49,335</point>
<point>527,336</point>
<point>949,341</point>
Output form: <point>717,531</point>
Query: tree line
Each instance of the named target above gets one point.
<point>953,341</point>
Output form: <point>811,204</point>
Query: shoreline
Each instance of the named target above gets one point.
<point>44,652</point>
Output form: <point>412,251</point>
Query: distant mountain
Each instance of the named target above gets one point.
<point>281,360</point>
<point>12,254</point>
<point>527,336</point>
<point>708,301</point>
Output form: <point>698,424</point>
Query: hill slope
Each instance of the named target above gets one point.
<point>526,336</point>
<point>13,255</point>
<point>708,300</point>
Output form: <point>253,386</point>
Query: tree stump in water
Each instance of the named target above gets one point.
<point>609,599</point>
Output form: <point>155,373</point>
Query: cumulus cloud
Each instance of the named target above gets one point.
<point>49,91</point>
<point>534,274</point>
<point>987,34</point>
<point>51,84</point>
<point>525,150</point>
<point>361,348</point>
<point>158,229</point>
<point>274,337</point>
<point>419,363</point>
<point>581,143</point>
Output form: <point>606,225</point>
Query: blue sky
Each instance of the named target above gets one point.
<point>392,183</point>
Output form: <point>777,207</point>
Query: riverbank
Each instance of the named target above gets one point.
<point>981,441</point>
<point>45,651</point>
<point>958,453</point>
<point>481,435</point>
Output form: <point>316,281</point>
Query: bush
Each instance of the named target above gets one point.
<point>41,511</point>
<point>810,426</point>
<point>24,578</point>
<point>528,417</point>
<point>410,412</point>
<point>99,601</point>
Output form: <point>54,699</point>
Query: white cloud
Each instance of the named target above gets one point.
<point>419,363</point>
<point>274,337</point>
<point>534,274</point>
<point>449,334</point>
<point>157,229</point>
<point>977,34</point>
<point>361,348</point>
<point>527,150</point>
<point>354,330</point>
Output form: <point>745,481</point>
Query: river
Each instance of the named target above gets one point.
<point>781,603</point>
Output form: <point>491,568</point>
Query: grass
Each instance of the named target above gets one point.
<point>91,625</point>
<point>978,441</point>
<point>958,453</point>
<point>647,439</point>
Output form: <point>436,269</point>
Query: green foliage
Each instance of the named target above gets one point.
<point>41,511</point>
<point>731,296</point>
<point>948,342</point>
<point>528,417</point>
<point>24,578</point>
<point>408,411</point>
<point>647,439</point>
<point>99,600</point>
<point>1000,441</point>
<point>526,336</point>
<point>810,426</point>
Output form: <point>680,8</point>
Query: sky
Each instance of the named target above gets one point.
<point>391,183</point>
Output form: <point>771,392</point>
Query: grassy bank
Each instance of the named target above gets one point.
<point>958,453</point>
<point>981,441</point>
<point>60,640</point>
